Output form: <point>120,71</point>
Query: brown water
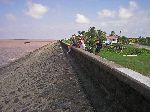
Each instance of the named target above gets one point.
<point>10,50</point>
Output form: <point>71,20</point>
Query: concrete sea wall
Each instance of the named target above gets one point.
<point>111,87</point>
<point>42,81</point>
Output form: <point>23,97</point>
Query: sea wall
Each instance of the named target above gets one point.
<point>117,88</point>
<point>42,81</point>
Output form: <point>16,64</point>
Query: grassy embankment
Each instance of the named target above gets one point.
<point>139,63</point>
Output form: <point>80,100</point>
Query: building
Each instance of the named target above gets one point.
<point>112,39</point>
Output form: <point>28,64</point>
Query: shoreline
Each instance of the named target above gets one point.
<point>12,50</point>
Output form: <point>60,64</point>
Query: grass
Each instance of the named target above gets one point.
<point>140,63</point>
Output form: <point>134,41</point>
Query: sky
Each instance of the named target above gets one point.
<point>58,19</point>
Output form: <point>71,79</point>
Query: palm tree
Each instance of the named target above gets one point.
<point>101,35</point>
<point>112,33</point>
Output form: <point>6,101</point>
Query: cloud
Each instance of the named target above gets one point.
<point>133,5</point>
<point>11,17</point>
<point>36,11</point>
<point>106,13</point>
<point>131,20</point>
<point>81,19</point>
<point>122,13</point>
<point>125,13</point>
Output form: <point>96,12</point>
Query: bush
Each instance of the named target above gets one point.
<point>116,48</point>
<point>132,51</point>
<point>127,50</point>
<point>144,41</point>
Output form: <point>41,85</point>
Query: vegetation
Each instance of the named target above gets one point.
<point>117,52</point>
<point>123,40</point>
<point>140,63</point>
<point>90,37</point>
<point>126,49</point>
<point>112,33</point>
<point>144,41</point>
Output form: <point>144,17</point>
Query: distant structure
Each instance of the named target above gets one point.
<point>27,42</point>
<point>112,39</point>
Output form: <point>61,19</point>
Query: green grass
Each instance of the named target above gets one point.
<point>140,63</point>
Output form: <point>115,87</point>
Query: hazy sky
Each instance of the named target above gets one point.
<point>56,19</point>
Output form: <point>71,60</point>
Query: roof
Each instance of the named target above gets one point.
<point>112,37</point>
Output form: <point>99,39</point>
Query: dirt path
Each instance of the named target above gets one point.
<point>44,81</point>
<point>142,46</point>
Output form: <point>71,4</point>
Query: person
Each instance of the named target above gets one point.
<point>69,48</point>
<point>81,42</point>
<point>73,43</point>
<point>98,46</point>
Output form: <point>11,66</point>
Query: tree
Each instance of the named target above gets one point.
<point>142,41</point>
<point>101,35</point>
<point>112,33</point>
<point>91,36</point>
<point>83,33</point>
<point>79,32</point>
<point>123,40</point>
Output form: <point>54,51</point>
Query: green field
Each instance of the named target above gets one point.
<point>139,63</point>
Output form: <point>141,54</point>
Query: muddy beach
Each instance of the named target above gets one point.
<point>10,50</point>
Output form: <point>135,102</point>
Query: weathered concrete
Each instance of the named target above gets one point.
<point>110,87</point>
<point>43,81</point>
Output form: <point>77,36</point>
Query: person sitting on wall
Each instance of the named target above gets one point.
<point>74,43</point>
<point>98,44</point>
<point>81,42</point>
<point>69,48</point>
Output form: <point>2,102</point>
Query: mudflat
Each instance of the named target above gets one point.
<point>10,50</point>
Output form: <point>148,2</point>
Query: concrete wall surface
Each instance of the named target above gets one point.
<point>111,87</point>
